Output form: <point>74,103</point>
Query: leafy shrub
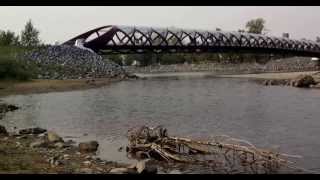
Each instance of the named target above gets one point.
<point>13,68</point>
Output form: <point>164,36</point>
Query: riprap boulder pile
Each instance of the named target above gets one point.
<point>70,62</point>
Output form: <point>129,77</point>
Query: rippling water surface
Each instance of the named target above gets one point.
<point>283,118</point>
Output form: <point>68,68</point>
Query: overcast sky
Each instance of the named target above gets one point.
<point>62,23</point>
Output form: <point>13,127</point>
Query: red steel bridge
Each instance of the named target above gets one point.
<point>126,39</point>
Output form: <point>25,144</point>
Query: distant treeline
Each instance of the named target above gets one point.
<point>190,58</point>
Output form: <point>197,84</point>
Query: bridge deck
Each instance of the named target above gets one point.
<point>126,39</point>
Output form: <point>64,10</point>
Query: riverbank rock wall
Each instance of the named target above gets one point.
<point>70,62</point>
<point>280,65</point>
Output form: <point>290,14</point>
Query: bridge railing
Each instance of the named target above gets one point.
<point>123,39</point>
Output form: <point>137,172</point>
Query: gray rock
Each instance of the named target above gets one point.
<point>88,157</point>
<point>86,171</point>
<point>175,172</point>
<point>39,143</point>
<point>42,135</point>
<point>122,171</point>
<point>18,144</point>
<point>88,147</point>
<point>22,137</point>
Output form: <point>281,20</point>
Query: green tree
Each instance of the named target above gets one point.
<point>30,35</point>
<point>8,38</point>
<point>256,26</point>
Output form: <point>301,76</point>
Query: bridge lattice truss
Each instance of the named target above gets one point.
<point>126,39</point>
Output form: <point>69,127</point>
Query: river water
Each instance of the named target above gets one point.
<point>277,117</point>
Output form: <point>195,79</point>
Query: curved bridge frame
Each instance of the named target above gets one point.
<point>126,39</point>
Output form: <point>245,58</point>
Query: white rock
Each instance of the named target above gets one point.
<point>119,171</point>
<point>53,137</point>
<point>59,145</point>
<point>87,163</point>
<point>145,166</point>
<point>86,170</point>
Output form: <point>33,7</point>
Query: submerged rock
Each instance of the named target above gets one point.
<point>7,107</point>
<point>88,147</point>
<point>36,130</point>
<point>3,130</point>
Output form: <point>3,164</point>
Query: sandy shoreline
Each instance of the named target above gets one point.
<point>277,75</point>
<point>44,86</point>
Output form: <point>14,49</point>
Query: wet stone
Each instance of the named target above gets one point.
<point>36,130</point>
<point>3,130</point>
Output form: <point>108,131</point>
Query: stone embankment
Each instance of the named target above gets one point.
<point>280,65</point>
<point>36,150</point>
<point>70,62</point>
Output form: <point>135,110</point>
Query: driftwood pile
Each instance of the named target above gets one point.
<point>222,154</point>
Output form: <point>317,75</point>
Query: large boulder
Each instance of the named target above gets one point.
<point>88,147</point>
<point>304,81</point>
<point>36,130</point>
<point>3,130</point>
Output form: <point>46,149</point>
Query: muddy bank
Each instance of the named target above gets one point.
<point>293,64</point>
<point>295,79</point>
<point>45,86</point>
<point>284,75</point>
